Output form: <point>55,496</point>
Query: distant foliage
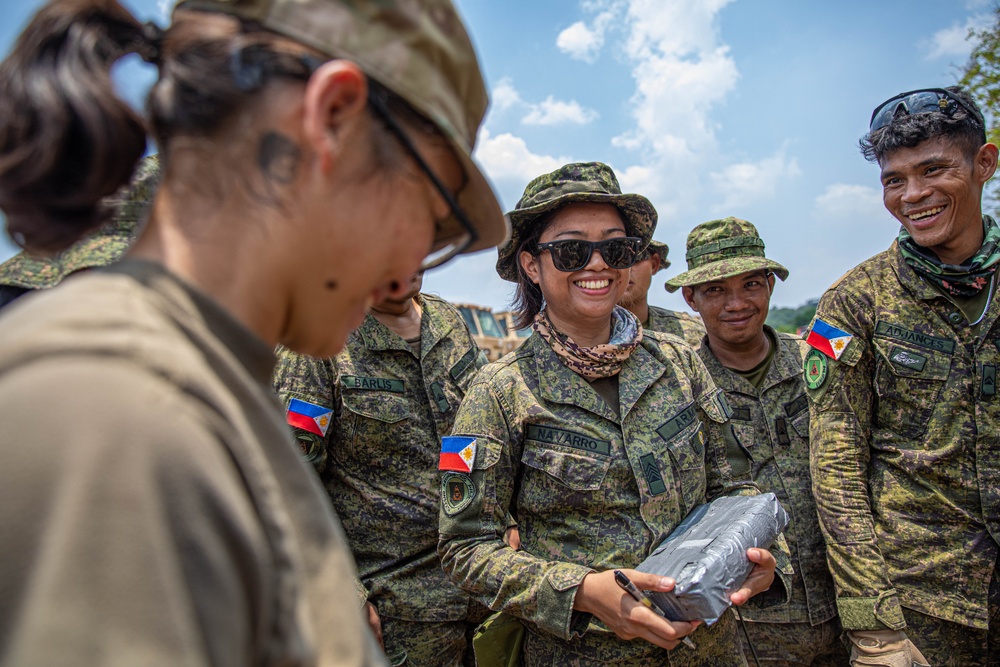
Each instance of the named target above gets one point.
<point>790,320</point>
<point>981,76</point>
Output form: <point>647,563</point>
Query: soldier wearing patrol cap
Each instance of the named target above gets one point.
<point>370,421</point>
<point>653,318</point>
<point>315,155</point>
<point>26,273</point>
<point>729,283</point>
<point>905,418</point>
<point>592,436</point>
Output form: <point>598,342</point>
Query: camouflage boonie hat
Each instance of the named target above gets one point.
<point>418,50</point>
<point>720,249</point>
<point>575,182</point>
<point>100,248</point>
<point>660,249</point>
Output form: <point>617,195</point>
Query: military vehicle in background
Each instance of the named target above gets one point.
<point>486,331</point>
<point>513,338</point>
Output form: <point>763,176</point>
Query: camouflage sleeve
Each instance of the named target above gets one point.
<point>474,514</point>
<point>307,388</point>
<point>728,472</point>
<point>841,400</point>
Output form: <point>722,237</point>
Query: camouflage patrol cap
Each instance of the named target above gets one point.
<point>102,247</point>
<point>418,50</point>
<point>720,249</point>
<point>660,249</point>
<point>576,182</point>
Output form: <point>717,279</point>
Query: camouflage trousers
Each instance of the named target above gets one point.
<point>947,644</point>
<point>796,644</point>
<point>717,646</point>
<point>430,644</point>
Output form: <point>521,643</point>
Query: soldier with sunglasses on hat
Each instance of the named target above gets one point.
<point>729,283</point>
<point>653,318</point>
<point>592,436</point>
<point>905,425</point>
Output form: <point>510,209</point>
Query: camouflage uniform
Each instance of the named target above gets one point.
<point>590,491</point>
<point>905,438</point>
<point>378,461</point>
<point>773,423</point>
<point>678,324</point>
<point>25,273</point>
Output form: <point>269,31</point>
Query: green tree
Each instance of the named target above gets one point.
<point>981,76</point>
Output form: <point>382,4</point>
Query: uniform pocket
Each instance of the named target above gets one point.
<point>908,384</point>
<point>578,472</point>
<point>376,421</point>
<point>687,456</point>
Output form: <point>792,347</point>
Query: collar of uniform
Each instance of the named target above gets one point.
<point>434,324</point>
<point>784,365</point>
<point>909,278</point>
<point>433,327</point>
<point>379,337</point>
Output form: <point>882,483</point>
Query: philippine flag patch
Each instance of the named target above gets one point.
<point>828,339</point>
<point>458,453</point>
<point>309,416</point>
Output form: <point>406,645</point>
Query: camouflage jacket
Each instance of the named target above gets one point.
<point>905,440</point>
<point>673,322</point>
<point>378,459</point>
<point>590,491</point>
<point>772,422</point>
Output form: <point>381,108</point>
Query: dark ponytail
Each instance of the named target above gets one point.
<point>66,139</point>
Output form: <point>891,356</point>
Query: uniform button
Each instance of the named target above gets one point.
<point>955,318</point>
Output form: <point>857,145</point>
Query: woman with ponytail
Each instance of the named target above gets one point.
<point>315,154</point>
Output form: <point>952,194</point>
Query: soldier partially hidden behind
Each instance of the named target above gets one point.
<point>653,260</point>
<point>371,421</point>
<point>905,426</point>
<point>729,283</point>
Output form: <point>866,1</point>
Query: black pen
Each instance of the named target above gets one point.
<point>626,585</point>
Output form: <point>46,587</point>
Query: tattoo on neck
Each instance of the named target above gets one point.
<point>278,157</point>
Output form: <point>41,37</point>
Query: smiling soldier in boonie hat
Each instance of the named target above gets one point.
<point>661,249</point>
<point>720,249</point>
<point>575,182</point>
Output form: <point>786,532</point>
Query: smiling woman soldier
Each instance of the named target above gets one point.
<point>315,153</point>
<point>591,436</point>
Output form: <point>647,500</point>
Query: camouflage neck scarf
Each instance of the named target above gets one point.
<point>600,361</point>
<point>962,280</point>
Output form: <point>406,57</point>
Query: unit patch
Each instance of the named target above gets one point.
<point>814,369</point>
<point>651,471</point>
<point>457,492</point>
<point>907,359</point>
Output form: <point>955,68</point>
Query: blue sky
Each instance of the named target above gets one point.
<point>708,107</point>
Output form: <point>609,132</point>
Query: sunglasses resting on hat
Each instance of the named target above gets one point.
<point>574,254</point>
<point>919,101</point>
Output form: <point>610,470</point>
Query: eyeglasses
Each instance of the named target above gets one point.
<point>919,101</point>
<point>574,254</point>
<point>453,235</point>
<point>252,65</point>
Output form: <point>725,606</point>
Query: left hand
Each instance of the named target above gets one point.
<point>760,577</point>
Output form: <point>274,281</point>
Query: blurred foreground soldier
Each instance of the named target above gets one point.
<point>371,422</point>
<point>155,508</point>
<point>653,318</point>
<point>25,272</point>
<point>729,283</point>
<point>593,435</point>
<point>902,384</point>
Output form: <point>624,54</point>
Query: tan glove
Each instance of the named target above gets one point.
<point>884,648</point>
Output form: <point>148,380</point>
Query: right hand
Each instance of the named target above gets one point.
<point>884,648</point>
<point>374,622</point>
<point>599,595</point>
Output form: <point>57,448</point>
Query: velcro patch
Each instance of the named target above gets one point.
<point>907,359</point>
<point>742,415</point>
<point>457,492</point>
<point>894,331</point>
<point>375,384</point>
<point>651,471</point>
<point>988,383</point>
<point>678,422</point>
<point>558,436</point>
<point>437,391</point>
<point>793,408</point>
<point>464,363</point>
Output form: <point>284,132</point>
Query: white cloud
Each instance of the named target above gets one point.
<point>583,42</point>
<point>506,157</point>
<point>556,112</point>
<point>504,94</point>
<point>740,185</point>
<point>953,42</point>
<point>841,203</point>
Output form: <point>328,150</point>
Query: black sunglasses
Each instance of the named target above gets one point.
<point>252,65</point>
<point>574,254</point>
<point>919,101</point>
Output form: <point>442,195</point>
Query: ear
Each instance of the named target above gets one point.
<point>655,261</point>
<point>336,100</point>
<point>770,283</point>
<point>529,264</point>
<point>689,298</point>
<point>985,162</point>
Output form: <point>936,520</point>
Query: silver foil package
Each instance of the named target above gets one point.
<point>706,554</point>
